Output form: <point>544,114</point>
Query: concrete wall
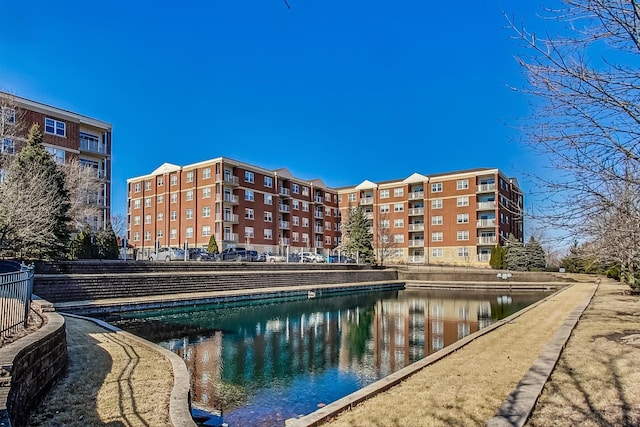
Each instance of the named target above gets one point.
<point>28,368</point>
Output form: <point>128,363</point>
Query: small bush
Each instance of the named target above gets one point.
<point>613,273</point>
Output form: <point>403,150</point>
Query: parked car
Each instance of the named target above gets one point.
<point>335,259</point>
<point>294,257</point>
<point>311,257</point>
<point>167,254</point>
<point>271,257</point>
<point>232,254</point>
<point>199,254</point>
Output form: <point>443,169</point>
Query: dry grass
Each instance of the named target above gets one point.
<point>467,387</point>
<point>111,381</point>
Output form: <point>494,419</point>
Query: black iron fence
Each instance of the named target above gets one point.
<point>16,287</point>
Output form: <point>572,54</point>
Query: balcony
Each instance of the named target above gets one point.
<point>228,179</point>
<point>284,192</point>
<point>484,257</point>
<point>93,146</point>
<point>319,200</point>
<point>284,208</point>
<point>285,241</point>
<point>486,188</point>
<point>487,240</point>
<point>486,206</point>
<point>416,227</point>
<point>227,198</point>
<point>319,245</point>
<point>368,215</point>
<point>285,225</point>
<point>416,211</point>
<point>486,223</point>
<point>416,243</point>
<point>318,214</point>
<point>230,237</point>
<point>416,259</point>
<point>416,195</point>
<point>366,201</point>
<point>318,229</point>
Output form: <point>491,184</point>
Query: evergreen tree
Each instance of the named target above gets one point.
<point>498,257</point>
<point>106,244</point>
<point>32,162</point>
<point>212,248</point>
<point>516,258</point>
<point>536,255</point>
<point>358,236</point>
<point>81,245</point>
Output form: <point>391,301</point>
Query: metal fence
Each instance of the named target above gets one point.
<point>16,287</point>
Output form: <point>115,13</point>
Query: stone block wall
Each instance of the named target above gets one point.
<point>31,366</point>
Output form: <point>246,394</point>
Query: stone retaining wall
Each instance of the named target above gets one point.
<point>29,367</point>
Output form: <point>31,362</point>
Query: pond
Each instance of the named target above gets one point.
<point>262,362</point>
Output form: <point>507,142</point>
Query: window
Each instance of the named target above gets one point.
<point>147,185</point>
<point>463,252</point>
<point>437,253</point>
<point>327,225</point>
<point>436,236</point>
<point>174,197</point>
<point>305,238</point>
<point>305,191</point>
<point>340,198</point>
<point>268,216</point>
<point>206,193</point>
<point>305,207</point>
<point>57,154</point>
<point>248,213</point>
<point>174,179</point>
<point>136,187</point>
<point>189,195</point>
<point>8,114</point>
<point>295,236</point>
<point>248,195</point>
<point>305,222</point>
<point>436,187</point>
<point>206,173</point>
<point>436,220</point>
<point>295,220</point>
<point>160,216</point>
<point>398,223</point>
<point>296,205</point>
<point>384,194</point>
<point>55,127</point>
<point>384,223</point>
<point>147,202</point>
<point>160,199</point>
<point>268,234</point>
<point>295,188</point>
<point>147,219</point>
<point>206,211</point>
<point>136,236</point>
<point>352,197</point>
<point>398,207</point>
<point>463,201</point>
<point>136,220</point>
<point>188,213</point>
<point>160,234</point>
<point>327,240</point>
<point>248,177</point>
<point>268,199</point>
<point>463,235</point>
<point>385,238</point>
<point>160,181</point>
<point>174,233</point>
<point>463,218</point>
<point>398,192</point>
<point>188,232</point>
<point>147,236</point>
<point>206,230</point>
<point>173,215</point>
<point>398,238</point>
<point>136,204</point>
<point>384,208</point>
<point>248,232</point>
<point>462,184</point>
<point>268,181</point>
<point>190,176</point>
<point>436,204</point>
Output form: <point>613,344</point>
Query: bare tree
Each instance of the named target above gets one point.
<point>85,190</point>
<point>119,225</point>
<point>12,127</point>
<point>384,244</point>
<point>586,95</point>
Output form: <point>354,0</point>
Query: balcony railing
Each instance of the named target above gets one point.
<point>285,241</point>
<point>319,199</point>
<point>318,229</point>
<point>482,223</point>
<point>230,237</point>
<point>416,211</point>
<point>227,198</point>
<point>416,259</point>
<point>416,243</point>
<point>94,146</point>
<point>284,208</point>
<point>484,257</point>
<point>416,227</point>
<point>368,215</point>
<point>228,179</point>
<point>319,245</point>
<point>232,218</point>
<point>318,214</point>
<point>366,201</point>
<point>284,192</point>
<point>285,225</point>
<point>487,240</point>
<point>483,206</point>
<point>486,188</point>
<point>416,195</point>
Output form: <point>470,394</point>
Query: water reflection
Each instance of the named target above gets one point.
<point>269,361</point>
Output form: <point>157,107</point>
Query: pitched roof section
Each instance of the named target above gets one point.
<point>284,172</point>
<point>416,178</point>
<point>166,168</point>
<point>366,185</point>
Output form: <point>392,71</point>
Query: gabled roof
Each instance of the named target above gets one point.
<point>415,178</point>
<point>317,182</point>
<point>166,168</point>
<point>366,185</point>
<point>284,172</point>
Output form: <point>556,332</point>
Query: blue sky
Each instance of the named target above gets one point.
<point>342,91</point>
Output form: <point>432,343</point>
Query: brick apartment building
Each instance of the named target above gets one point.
<point>452,218</point>
<point>67,136</point>
<point>242,205</point>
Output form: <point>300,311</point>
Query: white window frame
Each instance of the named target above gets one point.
<point>268,182</point>
<point>249,233</point>
<point>249,213</point>
<point>206,192</point>
<point>188,232</point>
<point>206,230</point>
<point>206,211</point>
<point>268,234</point>
<point>56,126</point>
<point>268,199</point>
<point>268,216</point>
<point>398,223</point>
<point>188,213</point>
<point>398,207</point>
<point>189,176</point>
<point>462,218</point>
<point>437,220</point>
<point>463,235</point>
<point>437,252</point>
<point>436,204</point>
<point>206,173</point>
<point>398,192</point>
<point>249,177</point>
<point>436,187</point>
<point>384,194</point>
<point>437,236</point>
<point>463,201</point>
<point>463,252</point>
<point>249,195</point>
<point>385,208</point>
<point>462,184</point>
<point>189,195</point>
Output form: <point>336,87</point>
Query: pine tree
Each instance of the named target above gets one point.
<point>516,258</point>
<point>358,237</point>
<point>212,248</point>
<point>536,255</point>
<point>106,244</point>
<point>81,245</point>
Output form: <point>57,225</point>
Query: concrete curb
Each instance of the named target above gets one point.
<point>322,415</point>
<point>518,407</point>
<point>179,404</point>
